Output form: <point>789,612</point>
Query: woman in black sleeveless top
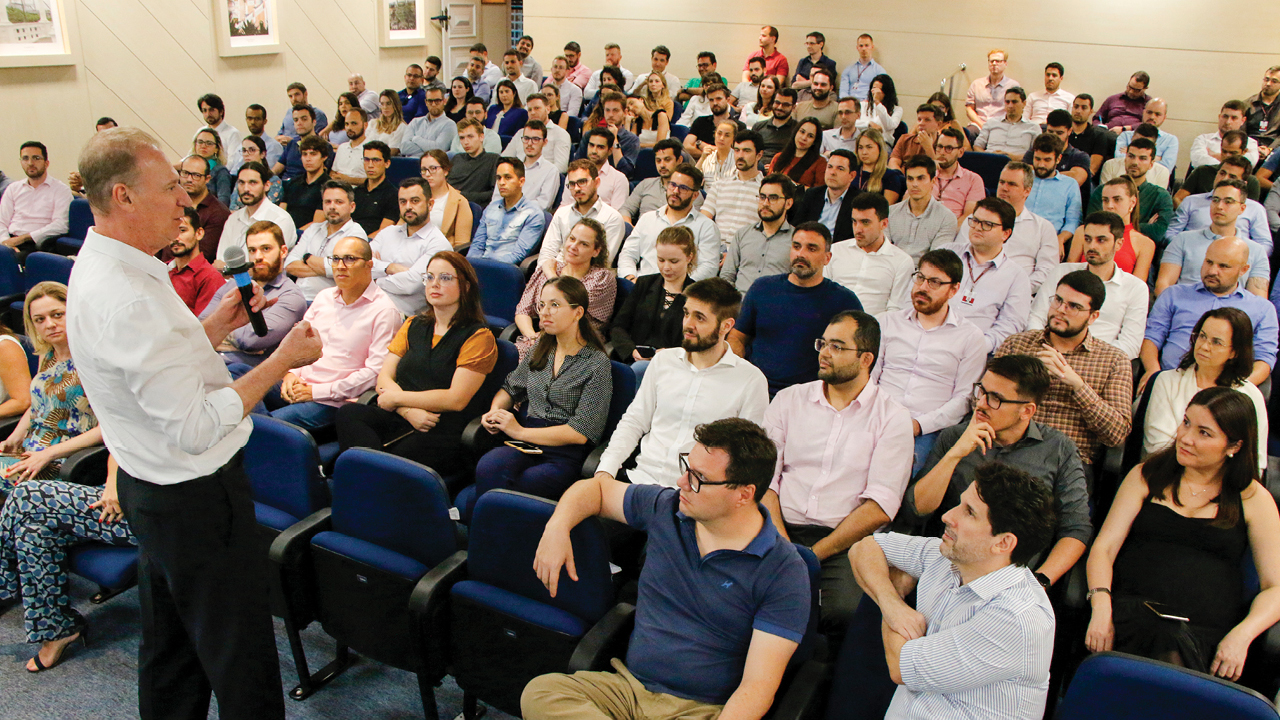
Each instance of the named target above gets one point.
<point>1174,540</point>
<point>428,387</point>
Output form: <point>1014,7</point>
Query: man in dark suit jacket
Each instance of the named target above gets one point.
<point>838,191</point>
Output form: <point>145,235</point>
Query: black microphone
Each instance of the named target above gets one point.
<point>238,267</point>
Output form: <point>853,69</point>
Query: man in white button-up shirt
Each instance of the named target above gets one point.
<point>872,267</point>
<point>580,189</point>
<point>308,261</point>
<point>402,252</point>
<point>556,141</point>
<point>639,252</point>
<point>251,185</point>
<point>175,422</point>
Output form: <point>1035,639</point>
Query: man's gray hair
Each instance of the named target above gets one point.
<point>111,158</point>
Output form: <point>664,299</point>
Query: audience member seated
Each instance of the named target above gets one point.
<point>507,114</point>
<point>1174,544</point>
<point>255,118</point>
<point>831,205</point>
<point>651,318</point>
<point>611,184</point>
<point>490,72</point>
<point>1249,217</point>
<point>476,110</point>
<point>624,146</point>
<point>870,265</point>
<point>214,113</point>
<point>193,175</point>
<point>1122,320</point>
<point>15,375</point>
<point>512,65</point>
<point>412,99</point>
<point>512,224</point>
<point>1123,111</point>
<point>310,260</point>
<point>290,164</point>
<point>782,312</point>
<point>356,322</point>
<point>1088,137</point>
<point>375,197</point>
<point>1137,251</point>
<point>918,141</point>
<point>985,656</point>
<point>251,187</point>
<point>1178,309</point>
<point>569,98</point>
<point>266,252</point>
<point>1155,207</point>
<point>855,81</point>
<point>1115,167</point>
<point>930,355</point>
<point>207,144</point>
<point>1071,162</point>
<point>985,100</point>
<point>1054,197</point>
<point>999,306</point>
<point>1040,104</point>
<point>834,485</point>
<point>1154,114</point>
<point>638,256</point>
<point>529,67</point>
<point>1263,119</point>
<point>844,135</point>
<point>348,156</point>
<point>749,89</point>
<point>612,61</point>
<point>1206,149</point>
<point>701,139</point>
<point>433,369</point>
<point>337,131</point>
<point>565,384</point>
<point>957,187</point>
<point>1002,430</point>
<point>820,103</point>
<point>304,194</point>
<point>1221,355</point>
<point>450,211</point>
<point>252,150</point>
<point>58,421</point>
<point>289,129</point>
<point>651,193</point>
<point>1033,245</point>
<point>734,202</point>
<point>541,176</point>
<point>920,222</point>
<point>648,117</point>
<point>1180,264</point>
<point>193,278</point>
<point>778,130</point>
<point>1091,385</point>
<point>473,168</point>
<point>873,173</point>
<point>480,88</point>
<point>578,72</point>
<point>433,130</point>
<point>761,107</point>
<point>718,162</point>
<point>763,248</point>
<point>881,109</point>
<point>801,159</point>
<point>1009,135</point>
<point>694,93</point>
<point>390,126</point>
<point>366,98</point>
<point>554,146</point>
<point>716,624</point>
<point>583,256</point>
<point>556,114</point>
<point>401,252</point>
<point>35,210</point>
<point>1203,178</point>
<point>942,101</point>
<point>582,201</point>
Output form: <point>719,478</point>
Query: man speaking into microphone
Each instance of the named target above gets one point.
<point>175,421</point>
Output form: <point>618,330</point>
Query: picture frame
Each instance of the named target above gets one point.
<point>246,27</point>
<point>38,33</point>
<point>402,23</point>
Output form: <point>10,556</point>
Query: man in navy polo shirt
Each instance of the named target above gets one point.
<point>723,601</point>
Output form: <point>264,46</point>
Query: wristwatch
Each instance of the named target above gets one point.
<point>1094,591</point>
<point>1043,580</point>
<point>306,257</point>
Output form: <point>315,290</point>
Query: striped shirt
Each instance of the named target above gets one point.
<point>577,396</point>
<point>733,204</point>
<point>987,649</point>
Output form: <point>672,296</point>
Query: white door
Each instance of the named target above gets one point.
<point>457,34</point>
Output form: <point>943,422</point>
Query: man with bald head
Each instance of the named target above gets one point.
<point>1176,311</point>
<point>1154,113</point>
<point>368,98</point>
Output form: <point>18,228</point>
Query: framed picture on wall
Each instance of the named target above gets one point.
<point>246,27</point>
<point>37,32</point>
<point>402,23</point>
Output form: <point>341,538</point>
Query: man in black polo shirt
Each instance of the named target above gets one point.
<point>302,195</point>
<point>702,132</point>
<point>1090,139</point>
<point>778,130</point>
<point>1074,163</point>
<point>377,204</point>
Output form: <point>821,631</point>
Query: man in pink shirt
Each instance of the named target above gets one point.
<point>579,73</point>
<point>985,100</point>
<point>957,188</point>
<point>775,63</point>
<point>830,434</point>
<point>356,321</point>
<point>34,212</point>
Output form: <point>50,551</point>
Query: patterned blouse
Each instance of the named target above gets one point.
<point>59,411</point>
<point>602,291</point>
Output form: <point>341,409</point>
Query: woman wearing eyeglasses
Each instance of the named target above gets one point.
<point>584,253</point>
<point>427,388</point>
<point>565,386</point>
<point>208,145</point>
<point>450,211</point>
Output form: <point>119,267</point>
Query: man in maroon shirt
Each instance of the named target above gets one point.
<point>1123,111</point>
<point>193,173</point>
<point>192,276</point>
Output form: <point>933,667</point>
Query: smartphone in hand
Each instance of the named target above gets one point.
<point>646,351</point>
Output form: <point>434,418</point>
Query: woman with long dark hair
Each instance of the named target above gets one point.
<point>881,109</point>
<point>455,106</point>
<point>1165,573</point>
<point>801,159</point>
<point>337,134</point>
<point>433,370</point>
<point>762,107</point>
<point>508,114</point>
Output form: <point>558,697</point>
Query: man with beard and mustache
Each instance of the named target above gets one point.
<point>651,193</point>
<point>1123,318</point>
<point>876,270</point>
<point>733,202</point>
<point>778,130</point>
<point>1092,382</point>
<point>929,119</point>
<point>820,103</point>
<point>36,210</point>
<point>348,158</point>
<point>782,315</point>
<point>401,252</point>
<point>1002,430</point>
<point>702,129</point>
<point>930,355</point>
<point>844,448</point>
<point>193,175</point>
<point>251,184</point>
<point>764,248</point>
<point>193,278</point>
<point>995,293</point>
<point>1054,196</point>
<point>309,259</point>
<point>267,250</point>
<point>639,254</point>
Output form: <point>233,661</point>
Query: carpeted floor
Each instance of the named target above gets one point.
<point>99,683</point>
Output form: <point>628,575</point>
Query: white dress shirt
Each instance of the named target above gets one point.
<point>556,149</point>
<point>639,254</point>
<point>1041,103</point>
<point>1170,397</point>
<point>161,394</point>
<point>348,159</point>
<point>1212,142</point>
<point>567,216</point>
<point>369,101</point>
<point>394,245</point>
<point>663,424</point>
<point>931,372</point>
<point>613,188</point>
<point>237,226</point>
<point>994,295</point>
<point>593,85</point>
<point>317,240</point>
<point>880,279</point>
<point>1123,318</point>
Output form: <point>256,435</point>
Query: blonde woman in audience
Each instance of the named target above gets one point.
<point>874,174</point>
<point>554,112</point>
<point>337,135</point>
<point>720,165</point>
<point>254,149</point>
<point>450,211</point>
<point>762,108</point>
<point>208,144</point>
<point>653,313</point>
<point>648,120</point>
<point>15,375</point>
<point>390,125</point>
<point>584,253</point>
<point>1136,253</point>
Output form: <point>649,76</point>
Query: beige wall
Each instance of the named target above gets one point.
<point>144,62</point>
<point>1197,59</point>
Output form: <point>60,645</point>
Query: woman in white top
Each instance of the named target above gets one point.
<point>762,108</point>
<point>390,125</point>
<point>15,375</point>
<point>719,164</point>
<point>648,120</point>
<point>1221,355</point>
<point>881,109</point>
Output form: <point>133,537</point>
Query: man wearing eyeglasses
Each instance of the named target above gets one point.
<point>844,136</point>
<point>639,255</point>
<point>765,247</point>
<point>402,251</point>
<point>995,293</point>
<point>732,202</point>
<point>1002,430</point>
<point>778,130</point>
<point>582,199</point>
<point>412,98</point>
<point>651,193</point>
<point>375,197</point>
<point>193,173</point>
<point>958,188</point>
<point>554,146</point>
<point>724,600</point>
<point>844,451</point>
<point>433,130</point>
<point>309,259</point>
<point>1195,210</point>
<point>1091,382</point>
<point>611,183</point>
<point>1180,264</point>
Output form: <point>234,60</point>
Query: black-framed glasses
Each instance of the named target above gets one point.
<point>931,283</point>
<point>983,225</point>
<point>696,481</point>
<point>994,401</point>
<point>188,175</point>
<point>680,187</point>
<point>344,260</point>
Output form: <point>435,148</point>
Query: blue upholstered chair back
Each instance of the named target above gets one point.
<point>505,531</point>
<point>283,465</point>
<point>79,219</point>
<point>501,285</point>
<point>393,503</point>
<point>624,391</point>
<point>42,266</point>
<point>403,168</point>
<point>10,273</point>
<point>987,166</point>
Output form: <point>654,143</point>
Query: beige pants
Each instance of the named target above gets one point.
<point>600,695</point>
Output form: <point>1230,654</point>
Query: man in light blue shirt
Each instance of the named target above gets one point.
<point>856,79</point>
<point>508,230</point>
<point>1054,196</point>
<point>1197,212</point>
<point>433,131</point>
<point>1166,143</point>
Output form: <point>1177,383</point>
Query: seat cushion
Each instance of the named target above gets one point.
<point>521,608</point>
<point>108,565</point>
<point>274,518</point>
<point>371,555</point>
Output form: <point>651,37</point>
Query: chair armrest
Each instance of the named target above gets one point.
<point>429,608</point>
<point>464,247</point>
<point>86,467</point>
<point>803,692</point>
<point>1113,460</point>
<point>529,265</point>
<point>293,542</point>
<point>8,424</point>
<point>367,396</point>
<point>604,640</point>
<point>592,462</point>
<point>510,333</point>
